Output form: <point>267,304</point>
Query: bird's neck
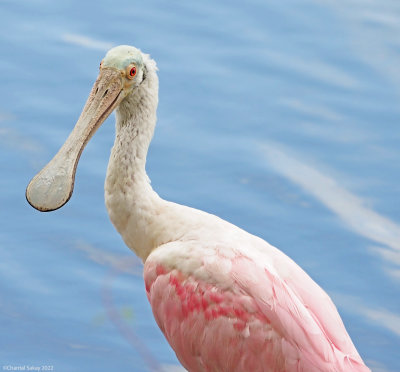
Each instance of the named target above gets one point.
<point>132,204</point>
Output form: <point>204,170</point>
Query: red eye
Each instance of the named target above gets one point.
<point>130,71</point>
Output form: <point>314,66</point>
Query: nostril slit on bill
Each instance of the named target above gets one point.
<point>105,93</point>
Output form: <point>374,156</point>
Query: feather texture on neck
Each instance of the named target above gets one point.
<point>131,202</point>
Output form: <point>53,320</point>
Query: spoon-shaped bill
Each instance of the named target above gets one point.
<point>52,187</point>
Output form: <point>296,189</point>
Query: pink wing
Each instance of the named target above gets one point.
<point>247,318</point>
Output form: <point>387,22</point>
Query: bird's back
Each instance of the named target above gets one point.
<point>232,302</point>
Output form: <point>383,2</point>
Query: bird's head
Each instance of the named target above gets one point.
<point>123,66</point>
<point>122,71</point>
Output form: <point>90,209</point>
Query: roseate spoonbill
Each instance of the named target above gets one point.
<point>225,300</point>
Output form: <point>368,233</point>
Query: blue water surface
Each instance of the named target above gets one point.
<point>281,117</point>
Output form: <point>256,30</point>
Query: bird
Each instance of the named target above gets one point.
<point>225,300</point>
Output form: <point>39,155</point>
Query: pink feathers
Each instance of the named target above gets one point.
<point>206,327</point>
<point>246,317</point>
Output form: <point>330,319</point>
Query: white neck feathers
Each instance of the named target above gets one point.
<point>131,202</point>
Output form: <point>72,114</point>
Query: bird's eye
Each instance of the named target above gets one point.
<point>132,72</point>
<point>101,63</point>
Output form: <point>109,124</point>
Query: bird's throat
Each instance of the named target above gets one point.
<point>132,204</point>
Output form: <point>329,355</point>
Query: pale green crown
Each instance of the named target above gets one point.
<point>122,56</point>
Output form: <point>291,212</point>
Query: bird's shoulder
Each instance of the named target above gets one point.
<point>264,280</point>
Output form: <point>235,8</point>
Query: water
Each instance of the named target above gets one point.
<point>279,117</point>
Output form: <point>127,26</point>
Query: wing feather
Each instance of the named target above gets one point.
<point>245,313</point>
